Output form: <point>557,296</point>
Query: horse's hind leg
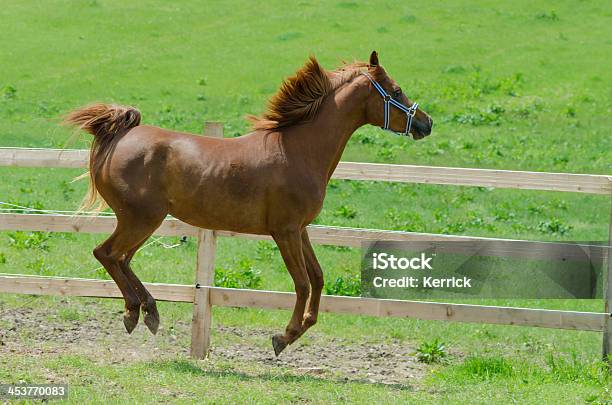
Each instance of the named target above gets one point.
<point>112,253</point>
<point>147,302</point>
<point>106,254</point>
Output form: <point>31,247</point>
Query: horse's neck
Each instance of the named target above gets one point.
<point>322,141</point>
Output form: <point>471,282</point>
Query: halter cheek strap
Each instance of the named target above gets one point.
<point>389,101</point>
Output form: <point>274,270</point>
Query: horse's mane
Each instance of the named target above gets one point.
<point>300,96</point>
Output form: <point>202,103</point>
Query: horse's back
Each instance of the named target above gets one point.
<point>191,176</point>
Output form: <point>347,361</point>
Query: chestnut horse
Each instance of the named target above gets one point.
<point>271,181</point>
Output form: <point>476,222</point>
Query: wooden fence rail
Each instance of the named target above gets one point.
<point>230,297</point>
<point>204,295</point>
<point>459,176</point>
<point>321,235</point>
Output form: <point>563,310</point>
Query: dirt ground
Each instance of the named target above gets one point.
<point>49,332</point>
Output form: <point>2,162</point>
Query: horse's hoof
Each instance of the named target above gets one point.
<point>151,316</point>
<point>130,320</point>
<point>151,319</point>
<point>278,344</point>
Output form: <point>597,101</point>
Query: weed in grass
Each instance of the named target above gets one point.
<point>554,226</point>
<point>266,250</point>
<point>345,211</point>
<point>244,99</point>
<point>39,266</point>
<point>348,285</point>
<point>503,214</point>
<point>365,138</point>
<point>358,186</point>
<point>527,108</point>
<point>242,275</point>
<point>9,92</point>
<point>440,215</point>
<point>387,153</point>
<point>490,115</point>
<point>509,85</point>
<point>69,314</point>
<point>485,368</point>
<point>468,145</point>
<point>535,208</point>
<point>2,258</point>
<point>533,345</point>
<point>408,18</point>
<point>32,240</point>
<point>574,369</point>
<point>447,226</point>
<point>169,117</point>
<point>463,197</point>
<point>397,334</point>
<point>452,228</point>
<point>558,204</point>
<point>476,220</point>
<point>561,160</point>
<point>404,220</point>
<point>67,190</point>
<point>30,207</point>
<point>431,351</point>
<point>518,227</point>
<point>547,16</point>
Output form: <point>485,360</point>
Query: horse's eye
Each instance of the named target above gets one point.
<point>397,93</point>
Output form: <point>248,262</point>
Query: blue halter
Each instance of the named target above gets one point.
<point>388,100</point>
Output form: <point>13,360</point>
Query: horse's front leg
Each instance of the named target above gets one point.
<point>290,246</point>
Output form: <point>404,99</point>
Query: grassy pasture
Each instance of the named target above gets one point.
<point>521,85</point>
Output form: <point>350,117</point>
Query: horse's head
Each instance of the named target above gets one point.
<point>390,108</point>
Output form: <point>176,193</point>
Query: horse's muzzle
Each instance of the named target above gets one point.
<point>422,129</point>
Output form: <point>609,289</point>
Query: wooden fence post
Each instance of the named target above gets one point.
<point>205,276</point>
<point>607,286</point>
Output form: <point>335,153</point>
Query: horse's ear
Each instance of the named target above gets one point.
<point>374,59</point>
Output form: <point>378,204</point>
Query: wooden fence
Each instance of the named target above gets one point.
<point>204,295</point>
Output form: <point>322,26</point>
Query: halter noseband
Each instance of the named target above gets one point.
<point>388,100</point>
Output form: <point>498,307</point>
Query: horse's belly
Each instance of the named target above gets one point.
<point>209,220</point>
<point>221,211</point>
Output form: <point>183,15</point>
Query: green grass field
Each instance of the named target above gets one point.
<point>521,85</point>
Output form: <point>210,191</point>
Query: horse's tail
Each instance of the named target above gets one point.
<point>105,122</point>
